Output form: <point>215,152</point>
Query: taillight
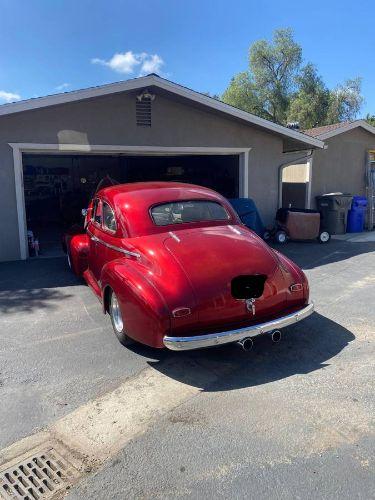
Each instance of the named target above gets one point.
<point>179,312</point>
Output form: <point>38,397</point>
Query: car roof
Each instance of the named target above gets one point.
<point>132,201</point>
<point>160,186</point>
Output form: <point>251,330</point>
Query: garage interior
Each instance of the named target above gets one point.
<point>57,187</point>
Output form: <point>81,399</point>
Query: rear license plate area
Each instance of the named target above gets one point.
<point>248,286</point>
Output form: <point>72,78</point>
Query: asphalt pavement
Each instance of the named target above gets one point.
<point>287,420</point>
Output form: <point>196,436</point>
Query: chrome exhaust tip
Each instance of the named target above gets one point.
<point>276,336</point>
<point>246,344</point>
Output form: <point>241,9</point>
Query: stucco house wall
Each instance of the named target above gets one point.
<point>342,166</point>
<point>110,120</point>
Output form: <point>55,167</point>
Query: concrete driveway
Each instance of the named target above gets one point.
<point>294,419</point>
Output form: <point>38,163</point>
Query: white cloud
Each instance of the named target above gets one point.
<point>8,96</point>
<point>128,62</point>
<point>122,63</point>
<point>152,64</point>
<point>63,86</point>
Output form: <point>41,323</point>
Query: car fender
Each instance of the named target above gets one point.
<point>78,251</point>
<point>295,275</point>
<point>143,308</point>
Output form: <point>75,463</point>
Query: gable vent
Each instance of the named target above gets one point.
<point>143,108</point>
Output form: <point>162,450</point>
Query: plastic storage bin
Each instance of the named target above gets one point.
<point>302,225</point>
<point>357,215</point>
<point>334,208</point>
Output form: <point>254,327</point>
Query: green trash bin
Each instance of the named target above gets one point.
<point>334,209</point>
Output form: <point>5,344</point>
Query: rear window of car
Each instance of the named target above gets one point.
<point>178,212</point>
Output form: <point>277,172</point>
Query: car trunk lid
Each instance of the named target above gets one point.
<point>212,258</point>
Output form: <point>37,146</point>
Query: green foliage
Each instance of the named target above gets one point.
<point>242,93</point>
<point>310,104</point>
<point>345,101</point>
<point>277,88</point>
<point>370,119</point>
<point>273,67</point>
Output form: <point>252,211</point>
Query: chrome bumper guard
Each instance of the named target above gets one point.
<point>213,339</point>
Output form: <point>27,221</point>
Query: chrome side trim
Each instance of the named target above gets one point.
<point>174,236</point>
<point>234,229</point>
<point>113,247</point>
<point>213,339</point>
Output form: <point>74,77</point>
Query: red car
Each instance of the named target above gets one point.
<point>174,267</point>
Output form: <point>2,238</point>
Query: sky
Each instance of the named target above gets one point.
<point>51,46</point>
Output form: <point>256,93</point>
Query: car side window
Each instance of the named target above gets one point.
<point>109,219</point>
<point>93,210</point>
<point>97,212</point>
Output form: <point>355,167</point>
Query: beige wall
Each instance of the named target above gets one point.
<point>341,167</point>
<point>110,120</point>
<point>296,173</point>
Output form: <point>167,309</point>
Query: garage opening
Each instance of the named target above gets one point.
<point>57,187</point>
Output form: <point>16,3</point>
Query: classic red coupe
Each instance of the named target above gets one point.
<point>174,267</point>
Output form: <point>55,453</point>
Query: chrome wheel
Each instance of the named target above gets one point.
<point>116,314</point>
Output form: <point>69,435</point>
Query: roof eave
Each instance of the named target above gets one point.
<point>75,95</point>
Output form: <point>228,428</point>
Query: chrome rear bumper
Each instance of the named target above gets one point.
<point>213,339</point>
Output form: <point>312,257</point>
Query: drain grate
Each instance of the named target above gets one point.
<point>36,477</point>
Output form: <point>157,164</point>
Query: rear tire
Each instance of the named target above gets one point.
<point>281,237</point>
<point>117,320</point>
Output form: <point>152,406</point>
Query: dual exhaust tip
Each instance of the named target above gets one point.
<point>247,343</point>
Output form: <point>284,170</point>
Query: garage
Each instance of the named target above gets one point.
<point>57,187</point>
<point>54,150</point>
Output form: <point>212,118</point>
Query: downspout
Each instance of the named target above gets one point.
<point>280,173</point>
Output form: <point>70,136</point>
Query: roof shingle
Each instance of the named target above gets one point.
<point>317,131</point>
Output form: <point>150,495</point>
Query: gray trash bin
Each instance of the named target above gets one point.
<point>334,208</point>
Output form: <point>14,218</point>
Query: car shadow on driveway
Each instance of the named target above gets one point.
<point>37,273</point>
<point>34,284</point>
<point>304,348</point>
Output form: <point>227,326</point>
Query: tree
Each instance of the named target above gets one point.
<point>309,105</point>
<point>241,93</point>
<point>345,101</point>
<point>370,119</point>
<point>273,67</point>
<point>277,88</point>
<point>265,88</point>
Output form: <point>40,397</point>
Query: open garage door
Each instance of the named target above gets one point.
<point>57,187</point>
